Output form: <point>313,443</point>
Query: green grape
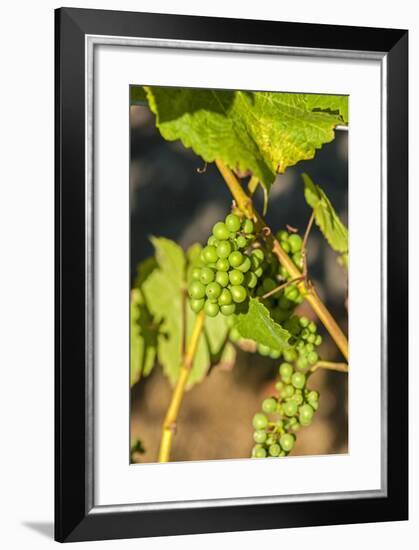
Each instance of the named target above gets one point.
<point>220,231</point>
<point>258,254</point>
<point>301,363</point>
<point>313,397</point>
<point>270,440</point>
<point>305,333</point>
<point>312,358</point>
<point>213,290</point>
<point>212,241</point>
<point>236,277</point>
<point>304,322</point>
<point>306,414</point>
<point>207,275</point>
<point>269,284</point>
<point>260,421</point>
<point>225,298</point>
<point>282,235</point>
<point>287,442</point>
<point>258,271</point>
<point>300,346</point>
<point>318,340</point>
<point>298,259</point>
<point>196,272</point>
<point>211,309</point>
<point>298,398</point>
<point>228,309</point>
<point>235,258</point>
<point>241,241</point>
<point>309,347</point>
<point>222,264</point>
<point>260,453</point>
<point>285,371</point>
<point>223,249</point>
<point>295,242</point>
<point>248,226</point>
<point>274,354</point>
<point>298,380</point>
<point>287,391</point>
<point>312,327</point>
<point>239,293</point>
<point>250,279</point>
<point>290,355</point>
<point>274,449</point>
<point>235,335</point>
<point>279,424</point>
<point>232,222</point>
<point>245,265</point>
<point>197,304</point>
<point>196,290</point>
<point>259,436</point>
<point>311,338</point>
<point>279,385</point>
<point>290,408</point>
<point>263,350</point>
<point>269,405</point>
<point>285,245</point>
<point>221,277</point>
<point>291,293</point>
<point>209,254</point>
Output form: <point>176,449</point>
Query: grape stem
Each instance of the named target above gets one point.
<point>281,287</point>
<point>244,203</point>
<point>169,424</point>
<point>340,367</point>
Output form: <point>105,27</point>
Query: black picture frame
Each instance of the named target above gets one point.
<point>76,518</point>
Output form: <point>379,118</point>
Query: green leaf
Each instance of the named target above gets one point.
<point>337,104</point>
<point>326,218</point>
<point>164,290</point>
<point>257,324</point>
<point>263,132</point>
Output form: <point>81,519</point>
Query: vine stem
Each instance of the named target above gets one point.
<point>340,367</point>
<point>169,424</point>
<point>244,203</point>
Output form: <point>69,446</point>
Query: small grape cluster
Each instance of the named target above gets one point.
<point>230,268</point>
<point>284,414</point>
<point>292,244</point>
<point>304,341</point>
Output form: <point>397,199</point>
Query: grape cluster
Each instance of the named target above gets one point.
<point>230,268</point>
<point>283,415</point>
<point>292,244</point>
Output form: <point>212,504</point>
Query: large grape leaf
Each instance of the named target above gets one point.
<point>263,132</point>
<point>326,218</point>
<point>164,290</point>
<point>337,104</point>
<point>257,324</point>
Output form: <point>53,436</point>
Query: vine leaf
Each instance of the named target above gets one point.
<point>327,219</point>
<point>165,292</point>
<point>257,324</point>
<point>260,132</point>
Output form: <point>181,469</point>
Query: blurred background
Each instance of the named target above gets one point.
<point>171,198</point>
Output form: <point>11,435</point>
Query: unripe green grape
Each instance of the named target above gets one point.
<point>209,254</point>
<point>306,413</point>
<point>241,241</point>
<point>269,284</point>
<point>250,279</point>
<point>312,358</point>
<point>196,290</point>
<point>269,405</point>
<point>298,259</point>
<point>282,235</point>
<point>195,274</point>
<point>258,254</point>
<point>285,371</point>
<point>220,231</point>
<point>212,241</point>
<point>279,385</point>
<point>207,275</point>
<point>309,347</point>
<point>287,391</point>
<point>305,333</point>
<point>260,453</point>
<point>286,246</point>
<point>236,277</point>
<point>290,355</point>
<point>279,423</point>
<point>270,440</point>
<point>260,421</point>
<point>301,362</point>
<point>313,397</point>
<point>213,290</point>
<point>304,322</point>
<point>298,398</point>
<point>235,335</point>
<point>263,350</point>
<point>290,408</point>
<point>318,340</point>
<point>221,277</point>
<point>223,249</point>
<point>259,436</point>
<point>312,327</point>
<point>248,226</point>
<point>291,293</point>
<point>287,442</point>
<point>239,293</point>
<point>258,271</point>
<point>228,309</point>
<point>222,264</point>
<point>211,309</point>
<point>274,449</point>
<point>295,242</point>
<point>225,298</point>
<point>245,265</point>
<point>232,222</point>
<point>311,338</point>
<point>274,354</point>
<point>298,380</point>
<point>300,346</point>
<point>235,258</point>
<point>197,304</point>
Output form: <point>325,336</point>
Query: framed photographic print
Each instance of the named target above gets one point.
<point>231,275</point>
